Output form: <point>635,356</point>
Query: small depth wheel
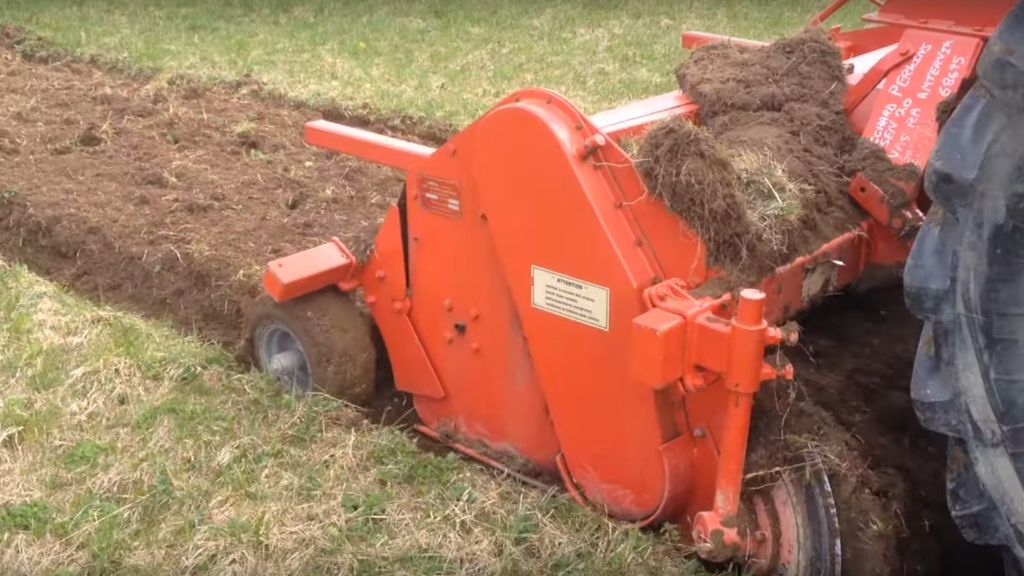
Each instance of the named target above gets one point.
<point>317,343</point>
<point>799,525</point>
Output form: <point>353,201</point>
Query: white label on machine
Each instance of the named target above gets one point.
<point>570,297</point>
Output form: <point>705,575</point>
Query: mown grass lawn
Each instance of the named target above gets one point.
<point>443,59</point>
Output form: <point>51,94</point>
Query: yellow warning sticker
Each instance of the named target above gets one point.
<point>569,297</point>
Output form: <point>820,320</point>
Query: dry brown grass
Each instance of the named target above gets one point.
<point>772,199</point>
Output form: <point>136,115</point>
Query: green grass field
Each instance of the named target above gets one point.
<point>443,59</point>
<point>128,449</point>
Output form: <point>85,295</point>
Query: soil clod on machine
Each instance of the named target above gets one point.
<point>546,297</point>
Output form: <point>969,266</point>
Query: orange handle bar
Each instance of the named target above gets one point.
<point>367,145</point>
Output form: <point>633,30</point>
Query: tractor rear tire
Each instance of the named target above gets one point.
<point>965,279</point>
<point>323,341</point>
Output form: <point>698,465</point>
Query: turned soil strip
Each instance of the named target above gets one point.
<point>166,198</point>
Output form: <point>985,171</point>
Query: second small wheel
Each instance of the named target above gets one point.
<point>317,343</point>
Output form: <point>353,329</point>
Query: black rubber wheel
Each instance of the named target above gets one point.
<point>965,279</point>
<point>317,343</point>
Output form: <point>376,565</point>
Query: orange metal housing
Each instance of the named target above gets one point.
<point>537,302</point>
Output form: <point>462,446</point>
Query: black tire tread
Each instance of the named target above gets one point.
<point>965,278</point>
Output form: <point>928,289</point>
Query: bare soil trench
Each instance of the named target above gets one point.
<point>168,198</point>
<point>852,392</point>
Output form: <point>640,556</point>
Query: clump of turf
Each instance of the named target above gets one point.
<point>740,201</point>
<point>684,165</point>
<point>765,176</point>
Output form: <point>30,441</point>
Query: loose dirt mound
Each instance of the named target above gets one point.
<point>166,197</point>
<point>782,106</point>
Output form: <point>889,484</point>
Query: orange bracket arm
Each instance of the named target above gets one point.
<point>310,270</point>
<point>827,13</point>
<point>681,333</point>
<point>367,145</point>
<point>904,220</point>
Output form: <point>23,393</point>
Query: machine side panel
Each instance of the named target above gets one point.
<point>384,289</point>
<point>464,315</point>
<point>546,207</point>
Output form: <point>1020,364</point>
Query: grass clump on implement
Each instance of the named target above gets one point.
<point>765,177</point>
<point>738,201</point>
